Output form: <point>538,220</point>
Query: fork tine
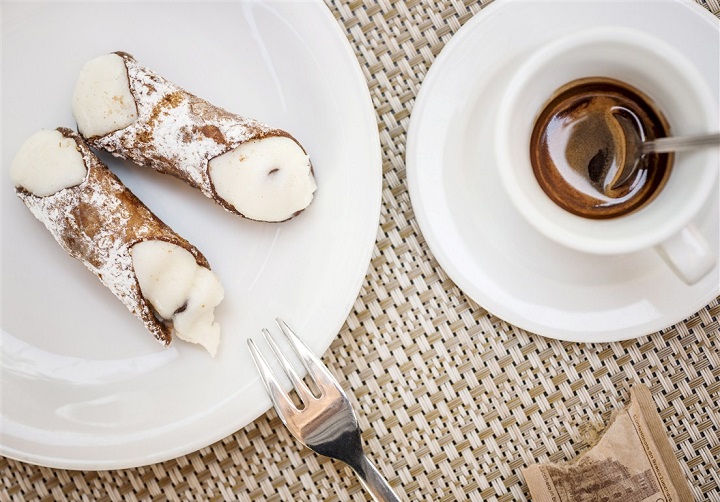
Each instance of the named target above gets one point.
<point>314,366</point>
<point>281,401</point>
<point>302,390</point>
<point>327,424</point>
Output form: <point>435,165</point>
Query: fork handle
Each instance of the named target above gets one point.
<point>373,481</point>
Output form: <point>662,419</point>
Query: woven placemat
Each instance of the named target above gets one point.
<point>452,400</point>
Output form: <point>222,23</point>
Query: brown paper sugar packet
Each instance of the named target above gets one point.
<point>632,462</point>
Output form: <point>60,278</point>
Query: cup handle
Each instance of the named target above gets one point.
<point>688,254</point>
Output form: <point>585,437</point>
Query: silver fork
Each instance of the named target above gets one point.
<point>326,423</point>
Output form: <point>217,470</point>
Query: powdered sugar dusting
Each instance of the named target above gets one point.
<point>97,222</point>
<point>176,132</point>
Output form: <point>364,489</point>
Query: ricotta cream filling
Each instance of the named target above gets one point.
<point>266,179</point>
<point>46,163</point>
<point>180,290</point>
<point>102,101</point>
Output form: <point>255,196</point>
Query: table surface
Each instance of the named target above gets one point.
<point>453,401</point>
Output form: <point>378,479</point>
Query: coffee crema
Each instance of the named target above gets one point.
<point>583,137</point>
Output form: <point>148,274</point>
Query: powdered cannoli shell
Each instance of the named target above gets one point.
<point>97,222</point>
<point>249,168</point>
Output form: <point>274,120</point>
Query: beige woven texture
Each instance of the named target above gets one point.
<point>453,401</point>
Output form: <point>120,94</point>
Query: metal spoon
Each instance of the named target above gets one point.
<point>637,149</point>
<point>680,143</point>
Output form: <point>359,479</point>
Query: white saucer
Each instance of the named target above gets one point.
<point>476,234</point>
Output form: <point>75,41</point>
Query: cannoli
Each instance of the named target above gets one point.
<point>159,276</point>
<point>249,168</point>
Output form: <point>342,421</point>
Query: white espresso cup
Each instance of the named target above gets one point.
<point>677,89</point>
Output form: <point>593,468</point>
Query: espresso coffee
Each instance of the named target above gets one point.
<point>581,145</point>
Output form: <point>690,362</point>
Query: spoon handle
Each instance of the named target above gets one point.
<point>681,143</point>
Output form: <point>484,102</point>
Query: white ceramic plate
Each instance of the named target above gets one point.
<point>478,237</point>
<point>84,386</point>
